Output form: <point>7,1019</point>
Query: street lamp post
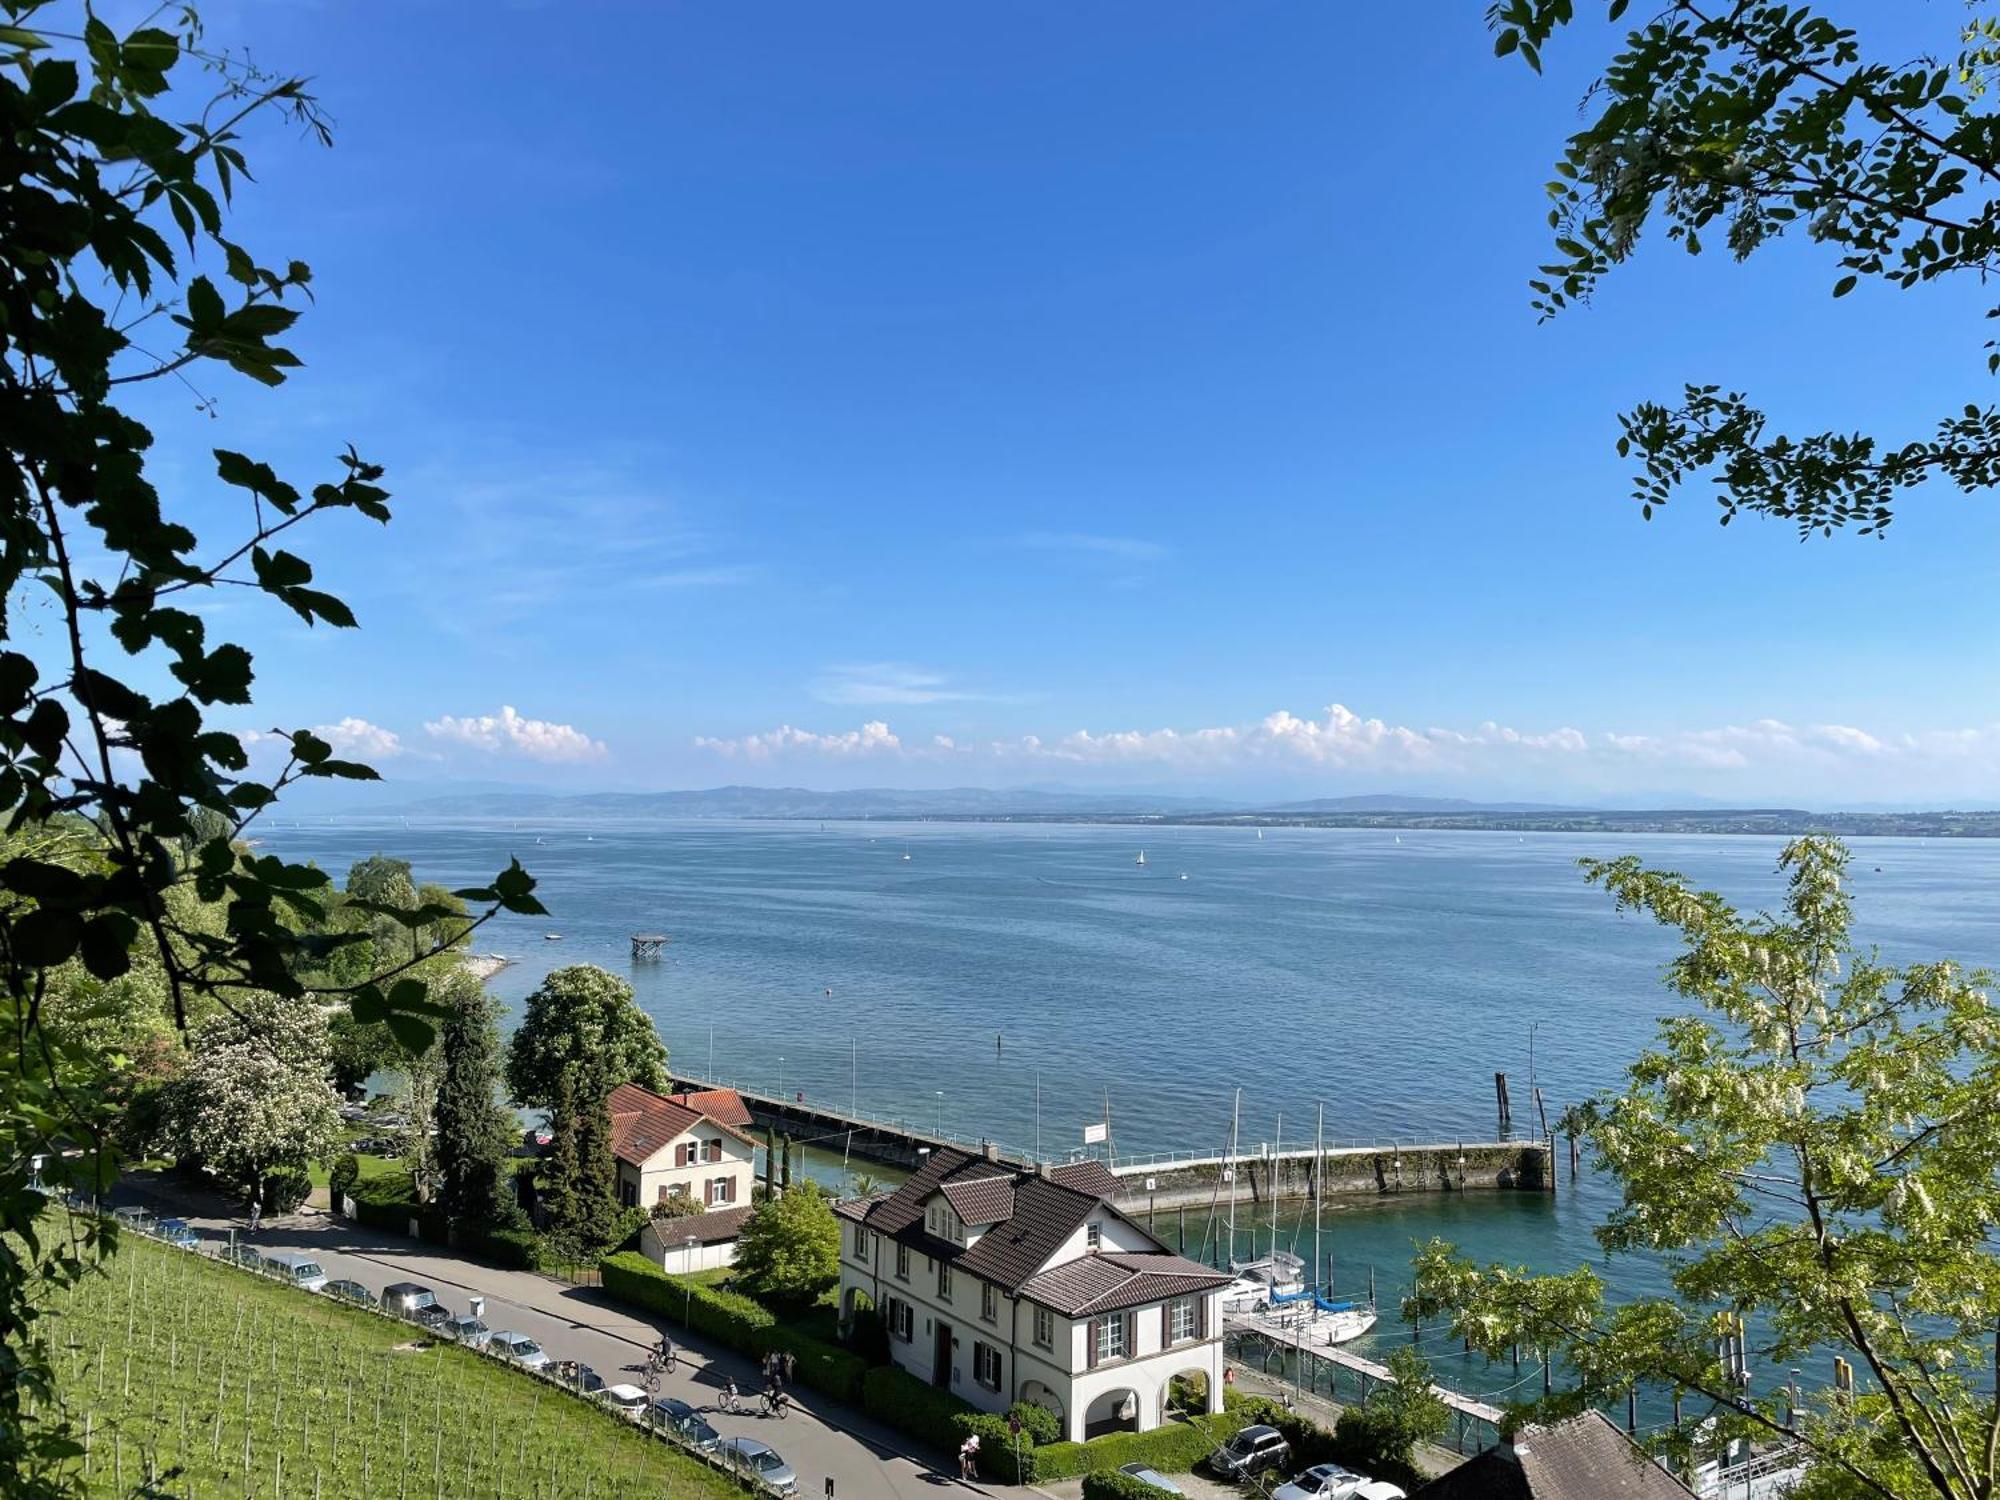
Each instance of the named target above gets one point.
<point>781,1078</point>
<point>687,1305</point>
<point>940,1100</point>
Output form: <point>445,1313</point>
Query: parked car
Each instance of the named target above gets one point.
<point>406,1299</point>
<point>759,1460</point>
<point>677,1416</point>
<point>517,1347</point>
<point>296,1270</point>
<point>580,1378</point>
<point>1153,1477</point>
<point>249,1257</point>
<point>178,1232</point>
<point>1252,1451</point>
<point>1322,1482</point>
<point>1381,1489</point>
<point>350,1291</point>
<point>137,1219</point>
<point>467,1330</point>
<point>628,1399</point>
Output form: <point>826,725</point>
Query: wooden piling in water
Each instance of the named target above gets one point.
<point>1500,1097</point>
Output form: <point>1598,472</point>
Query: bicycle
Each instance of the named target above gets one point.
<point>727,1400</point>
<point>776,1404</point>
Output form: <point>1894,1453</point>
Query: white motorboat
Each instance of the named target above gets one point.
<point>1142,859</point>
<point>1280,1272</point>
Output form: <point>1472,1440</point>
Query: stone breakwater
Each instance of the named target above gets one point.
<point>1343,1172</point>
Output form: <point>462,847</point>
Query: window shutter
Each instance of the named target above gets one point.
<point>1166,1325</point>
<point>1201,1317</point>
<point>1090,1344</point>
<point>1131,1334</point>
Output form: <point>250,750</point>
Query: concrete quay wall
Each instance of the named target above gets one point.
<point>1349,1172</point>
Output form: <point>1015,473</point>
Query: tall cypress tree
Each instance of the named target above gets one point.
<point>559,1171</point>
<point>582,1192</point>
<point>475,1135</point>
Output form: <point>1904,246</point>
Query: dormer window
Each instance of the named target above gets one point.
<point>1093,1235</point>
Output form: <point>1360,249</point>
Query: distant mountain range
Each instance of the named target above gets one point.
<point>1047,805</point>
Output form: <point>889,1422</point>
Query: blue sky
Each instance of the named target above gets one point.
<point>904,394</point>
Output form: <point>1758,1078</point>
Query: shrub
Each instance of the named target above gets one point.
<point>517,1249</point>
<point>341,1179</point>
<point>1112,1485</point>
<point>285,1191</point>
<point>996,1447</point>
<point>789,1248</point>
<point>675,1206</point>
<point>733,1319</point>
<point>1039,1425</point>
<point>1173,1448</point>
<point>916,1407</point>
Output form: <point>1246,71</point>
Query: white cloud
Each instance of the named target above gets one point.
<point>872,738</point>
<point>537,739</point>
<point>886,682</point>
<point>1763,756</point>
<point>350,736</point>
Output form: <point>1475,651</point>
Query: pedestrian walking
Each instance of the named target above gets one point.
<point>256,1212</point>
<point>791,1364</point>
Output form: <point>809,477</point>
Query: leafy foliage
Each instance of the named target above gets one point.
<point>1819,1154</point>
<point>580,1191</point>
<point>1742,122</point>
<point>789,1248</point>
<point>582,1016</point>
<point>124,806</point>
<point>1382,1435</point>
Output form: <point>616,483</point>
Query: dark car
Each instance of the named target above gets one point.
<point>407,1299</point>
<point>1251,1451</point>
<point>247,1256</point>
<point>349,1291</point>
<point>178,1232</point>
<point>678,1417</point>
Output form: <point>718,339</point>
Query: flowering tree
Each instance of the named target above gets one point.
<point>255,1097</point>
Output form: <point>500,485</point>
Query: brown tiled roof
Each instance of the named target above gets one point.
<point>1043,1215</point>
<point>724,1106</point>
<point>981,1200</point>
<point>1115,1280</point>
<point>1582,1458</point>
<point>643,1121</point>
<point>1088,1176</point>
<point>711,1228</point>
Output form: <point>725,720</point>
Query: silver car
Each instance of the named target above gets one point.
<point>1154,1477</point>
<point>518,1348</point>
<point>467,1330</point>
<point>759,1460</point>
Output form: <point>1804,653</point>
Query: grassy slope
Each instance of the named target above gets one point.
<point>177,1362</point>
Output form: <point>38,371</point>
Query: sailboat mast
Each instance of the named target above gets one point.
<point>1235,1115</point>
<point>1277,1154</point>
<point>1319,1166</point>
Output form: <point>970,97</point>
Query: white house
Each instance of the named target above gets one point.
<point>1002,1285</point>
<point>691,1145</point>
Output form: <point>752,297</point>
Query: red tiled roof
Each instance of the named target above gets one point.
<point>711,1228</point>
<point>724,1106</point>
<point>982,1200</point>
<point>642,1122</point>
<point>1584,1457</point>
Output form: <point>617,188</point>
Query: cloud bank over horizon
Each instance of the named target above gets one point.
<point>1760,760</point>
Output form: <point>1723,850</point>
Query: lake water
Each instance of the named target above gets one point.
<point>1386,980</point>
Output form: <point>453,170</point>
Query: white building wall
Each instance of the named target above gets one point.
<point>660,1175</point>
<point>659,1244</point>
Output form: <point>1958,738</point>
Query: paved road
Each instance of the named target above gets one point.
<point>865,1460</point>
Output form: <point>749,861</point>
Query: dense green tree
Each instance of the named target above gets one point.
<point>123,154</point>
<point>357,1050</point>
<point>582,1015</point>
<point>1738,123</point>
<point>580,1176</point>
<point>1818,1153</point>
<point>789,1250</point>
<point>475,1133</point>
<point>1382,1434</point>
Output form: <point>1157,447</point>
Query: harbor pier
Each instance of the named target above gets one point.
<point>1367,1169</point>
<point>894,1141</point>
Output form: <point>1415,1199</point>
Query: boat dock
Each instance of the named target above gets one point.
<point>1327,1369</point>
<point>895,1141</point>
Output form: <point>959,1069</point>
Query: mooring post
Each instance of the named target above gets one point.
<point>1500,1097</point>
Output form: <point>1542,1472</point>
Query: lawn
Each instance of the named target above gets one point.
<point>371,1167</point>
<point>188,1377</point>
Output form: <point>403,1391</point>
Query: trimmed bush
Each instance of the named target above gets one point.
<point>731,1318</point>
<point>345,1173</point>
<point>1173,1448</point>
<point>1115,1486</point>
<point>285,1191</point>
<point>1039,1425</point>
<point>517,1249</point>
<point>917,1407</point>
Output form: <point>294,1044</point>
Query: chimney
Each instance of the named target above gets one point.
<point>990,1150</point>
<point>1042,1169</point>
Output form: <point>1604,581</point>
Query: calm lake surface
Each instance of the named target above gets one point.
<point>1385,980</point>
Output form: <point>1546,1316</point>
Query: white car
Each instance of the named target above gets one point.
<point>1322,1482</point>
<point>1381,1489</point>
<point>628,1399</point>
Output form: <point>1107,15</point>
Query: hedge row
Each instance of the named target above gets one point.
<point>1115,1486</point>
<point>1173,1448</point>
<point>733,1319</point>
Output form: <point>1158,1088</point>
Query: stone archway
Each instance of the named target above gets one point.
<point>1044,1396</point>
<point>1185,1394</point>
<point>1113,1411</point>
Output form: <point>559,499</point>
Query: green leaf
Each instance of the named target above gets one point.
<point>1845,285</point>
<point>204,305</point>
